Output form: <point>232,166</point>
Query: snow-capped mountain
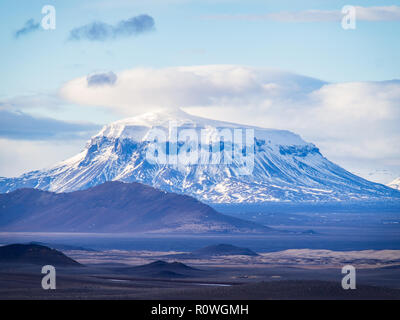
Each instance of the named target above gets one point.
<point>286,168</point>
<point>395,184</point>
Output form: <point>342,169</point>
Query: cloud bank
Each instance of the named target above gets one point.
<point>377,13</point>
<point>29,27</point>
<point>101,31</point>
<point>351,122</point>
<point>31,101</point>
<point>148,88</point>
<point>21,126</point>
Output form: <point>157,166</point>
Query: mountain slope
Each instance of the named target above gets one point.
<point>395,184</point>
<point>114,207</point>
<point>34,254</point>
<point>286,168</point>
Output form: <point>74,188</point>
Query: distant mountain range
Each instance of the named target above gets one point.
<point>215,250</point>
<point>114,207</point>
<point>34,254</point>
<point>286,168</point>
<point>224,250</point>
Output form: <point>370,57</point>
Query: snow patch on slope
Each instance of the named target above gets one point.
<point>395,184</point>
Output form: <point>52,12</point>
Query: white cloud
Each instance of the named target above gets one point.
<point>385,13</point>
<point>145,88</point>
<point>377,13</point>
<point>354,124</point>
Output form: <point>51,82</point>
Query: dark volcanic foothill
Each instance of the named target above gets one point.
<point>162,269</point>
<point>34,254</point>
<point>115,207</point>
<point>216,250</point>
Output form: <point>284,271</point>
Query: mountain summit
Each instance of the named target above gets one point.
<point>286,168</point>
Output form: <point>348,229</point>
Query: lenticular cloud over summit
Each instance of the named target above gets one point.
<point>213,85</point>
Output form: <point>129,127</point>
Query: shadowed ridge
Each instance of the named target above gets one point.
<point>34,254</point>
<point>115,207</point>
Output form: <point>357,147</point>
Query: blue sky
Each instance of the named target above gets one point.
<point>36,65</point>
<point>184,36</point>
